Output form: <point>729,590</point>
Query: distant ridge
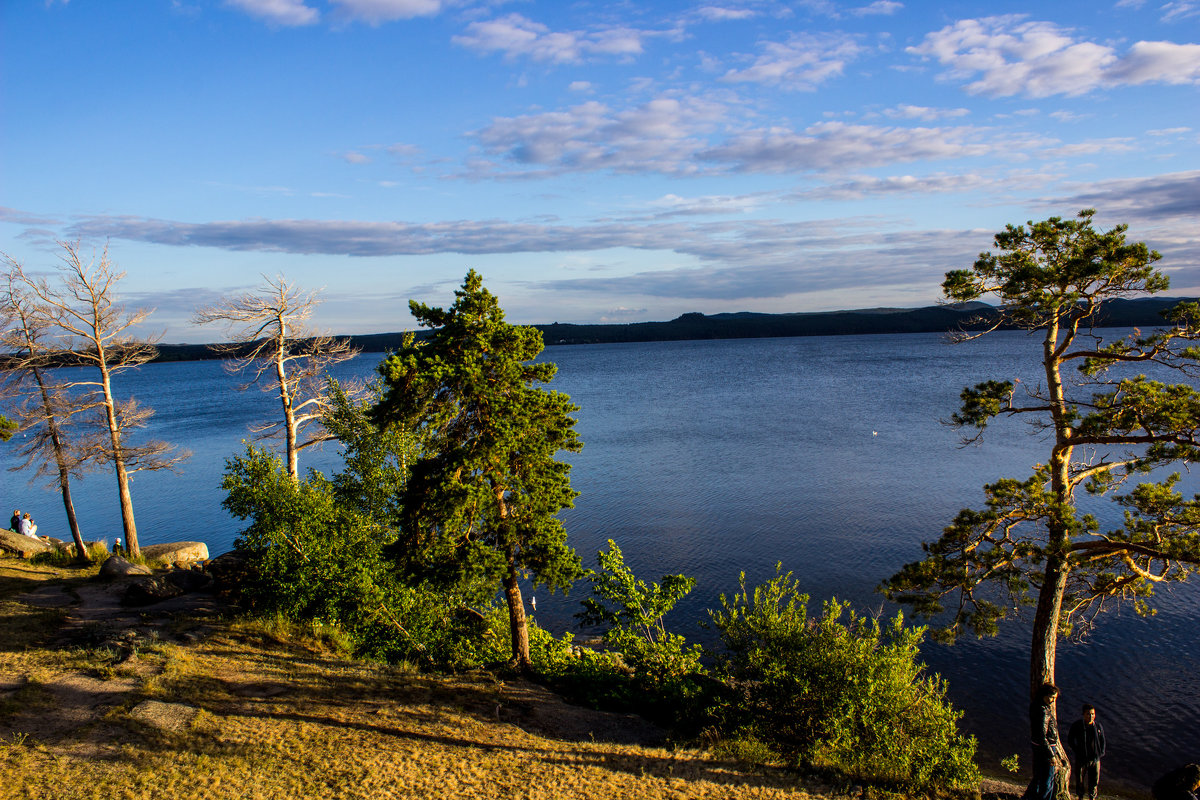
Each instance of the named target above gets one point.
<point>1119,313</point>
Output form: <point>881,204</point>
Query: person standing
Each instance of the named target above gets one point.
<point>1086,740</point>
<point>1043,736</point>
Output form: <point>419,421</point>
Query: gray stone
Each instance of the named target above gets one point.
<point>149,591</point>
<point>117,567</point>
<point>23,546</point>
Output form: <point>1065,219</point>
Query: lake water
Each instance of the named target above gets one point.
<point>714,457</point>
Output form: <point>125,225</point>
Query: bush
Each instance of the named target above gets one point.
<point>838,692</point>
<point>312,555</point>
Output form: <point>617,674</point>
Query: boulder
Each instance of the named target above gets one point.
<point>150,591</point>
<point>117,567</point>
<point>23,546</point>
<point>228,570</point>
<point>176,552</point>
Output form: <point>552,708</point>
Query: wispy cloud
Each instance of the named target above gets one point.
<point>924,113</point>
<point>279,12</point>
<point>802,63</point>
<point>516,36</point>
<point>1007,55</point>
<point>879,7</point>
<point>376,12</point>
<point>693,136</point>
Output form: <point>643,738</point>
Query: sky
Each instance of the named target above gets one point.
<point>594,161</point>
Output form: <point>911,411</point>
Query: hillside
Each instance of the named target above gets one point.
<point>1143,312</point>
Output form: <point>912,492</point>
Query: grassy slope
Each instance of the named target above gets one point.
<point>282,715</point>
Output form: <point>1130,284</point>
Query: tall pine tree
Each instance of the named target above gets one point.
<point>484,497</point>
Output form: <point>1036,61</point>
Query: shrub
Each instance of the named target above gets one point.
<point>838,692</point>
<point>312,555</point>
<point>659,673</point>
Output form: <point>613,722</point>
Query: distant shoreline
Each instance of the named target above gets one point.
<point>1142,312</point>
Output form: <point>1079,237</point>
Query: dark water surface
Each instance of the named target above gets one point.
<point>714,457</point>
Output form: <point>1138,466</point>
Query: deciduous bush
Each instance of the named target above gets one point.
<point>838,691</point>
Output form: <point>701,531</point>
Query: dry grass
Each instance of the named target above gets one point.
<point>269,715</point>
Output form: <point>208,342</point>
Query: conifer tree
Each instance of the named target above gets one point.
<point>1107,427</point>
<point>483,498</point>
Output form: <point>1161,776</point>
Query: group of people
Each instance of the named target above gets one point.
<point>23,524</point>
<point>1086,740</point>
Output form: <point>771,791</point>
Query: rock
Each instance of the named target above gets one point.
<point>174,717</point>
<point>23,546</point>
<point>117,567</point>
<point>189,580</point>
<point>228,570</point>
<point>150,591</point>
<point>176,552</point>
<point>164,587</point>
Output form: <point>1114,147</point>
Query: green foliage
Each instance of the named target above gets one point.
<point>662,665</point>
<point>838,691</point>
<point>7,428</point>
<point>313,556</point>
<point>1011,763</point>
<point>482,499</point>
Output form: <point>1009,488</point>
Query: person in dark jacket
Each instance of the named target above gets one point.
<point>1043,736</point>
<point>1178,784</point>
<point>14,524</point>
<point>1086,740</point>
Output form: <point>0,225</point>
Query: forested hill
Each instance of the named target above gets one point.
<point>1144,312</point>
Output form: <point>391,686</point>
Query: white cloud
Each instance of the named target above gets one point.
<point>722,14</point>
<point>1169,131</point>
<point>517,36</point>
<point>355,157</point>
<point>803,62</point>
<point>838,147</point>
<point>879,7</point>
<point>376,12</point>
<point>923,113</point>
<point>661,136</point>
<point>1007,55</point>
<point>278,12</point>
<point>867,186</point>
<point>580,86</point>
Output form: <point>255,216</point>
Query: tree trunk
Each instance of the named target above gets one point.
<point>289,414</point>
<point>518,625</point>
<point>64,475</point>
<point>1044,649</point>
<point>118,458</point>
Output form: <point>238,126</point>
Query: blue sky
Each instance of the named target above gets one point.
<point>594,161</point>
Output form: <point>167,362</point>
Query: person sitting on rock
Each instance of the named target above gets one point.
<point>28,528</point>
<point>14,524</point>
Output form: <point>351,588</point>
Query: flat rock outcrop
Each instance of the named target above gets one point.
<point>23,546</point>
<point>176,552</point>
<point>117,567</point>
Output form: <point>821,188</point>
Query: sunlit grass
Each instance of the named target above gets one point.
<point>281,712</point>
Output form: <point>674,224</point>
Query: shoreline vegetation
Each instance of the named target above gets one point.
<point>1118,312</point>
<point>193,700</point>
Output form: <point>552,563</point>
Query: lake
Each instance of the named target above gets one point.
<point>826,454</point>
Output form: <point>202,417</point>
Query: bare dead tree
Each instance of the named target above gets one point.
<point>46,407</point>
<point>96,329</point>
<point>273,344</point>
